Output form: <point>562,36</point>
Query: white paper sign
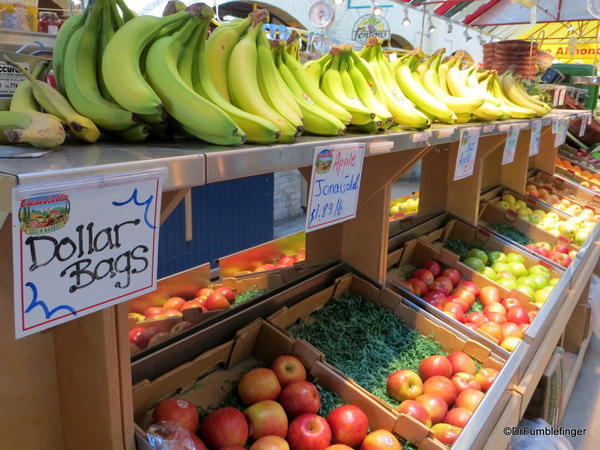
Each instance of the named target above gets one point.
<point>534,143</point>
<point>584,122</point>
<point>82,246</point>
<point>336,176</point>
<point>561,133</point>
<point>467,151</point>
<point>510,147</point>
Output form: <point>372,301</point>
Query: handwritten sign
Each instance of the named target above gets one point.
<point>335,185</point>
<point>510,147</point>
<point>467,150</point>
<point>534,142</point>
<point>561,132</point>
<point>82,246</point>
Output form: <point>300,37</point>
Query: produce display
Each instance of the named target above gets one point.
<point>591,179</point>
<point>576,228</point>
<point>272,408</point>
<point>133,77</point>
<point>586,158</point>
<point>403,207</point>
<point>559,189</point>
<point>503,320</point>
<point>284,261</point>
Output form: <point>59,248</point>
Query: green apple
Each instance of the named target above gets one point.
<point>503,205</point>
<point>553,281</point>
<point>524,211</point>
<point>520,204</point>
<point>581,236</point>
<point>526,281</point>
<point>526,290</point>
<point>509,198</point>
<point>552,216</point>
<point>535,218</point>
<point>507,283</point>
<point>495,257</point>
<point>518,269</point>
<point>539,269</point>
<point>394,210</point>
<point>567,229</point>
<point>515,257</point>
<point>501,266</point>
<point>542,295</point>
<point>541,212</point>
<point>477,253</point>
<point>540,280</point>
<point>506,275</point>
<point>545,245</point>
<point>488,272</point>
<point>475,263</point>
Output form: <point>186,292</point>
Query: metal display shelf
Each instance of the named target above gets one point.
<point>14,39</point>
<point>194,163</point>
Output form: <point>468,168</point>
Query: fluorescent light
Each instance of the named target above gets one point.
<point>338,2</point>
<point>406,20</point>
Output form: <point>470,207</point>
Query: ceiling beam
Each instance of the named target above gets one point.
<point>479,11</point>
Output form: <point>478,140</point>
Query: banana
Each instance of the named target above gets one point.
<point>315,67</point>
<point>189,51</point>
<point>371,127</point>
<point>107,31</point>
<point>81,80</point>
<point>316,120</point>
<point>364,92</point>
<point>332,86</point>
<point>417,93</point>
<point>259,130</point>
<point>121,69</point>
<point>463,117</point>
<point>115,16</point>
<point>128,14</point>
<point>473,83</point>
<point>137,133</point>
<point>515,95</point>
<point>54,103</point>
<point>242,82</point>
<point>200,117</point>
<point>36,128</point>
<point>219,47</point>
<point>273,89</point>
<point>431,82</point>
<point>173,6</point>
<point>458,87</point>
<point>532,98</point>
<point>68,28</point>
<point>312,89</point>
<point>23,99</point>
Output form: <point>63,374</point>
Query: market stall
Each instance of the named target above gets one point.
<point>98,351</point>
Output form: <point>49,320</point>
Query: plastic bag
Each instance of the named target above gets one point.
<point>170,436</point>
<point>527,441</point>
<point>594,300</point>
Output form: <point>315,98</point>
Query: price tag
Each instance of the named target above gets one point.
<point>335,185</point>
<point>422,136</point>
<point>488,128</point>
<point>582,127</point>
<point>561,134</point>
<point>555,125</point>
<point>510,147</point>
<point>467,151</point>
<point>82,246</point>
<point>534,143</point>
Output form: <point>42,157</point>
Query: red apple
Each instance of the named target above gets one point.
<point>464,304</point>
<point>419,288</point>
<point>425,275</point>
<point>406,285</point>
<point>469,399</point>
<point>233,447</point>
<point>494,307</point>
<point>442,284</point>
<point>286,261</point>
<point>518,315</point>
<point>486,377</point>
<point>496,317</point>
<point>463,380</point>
<point>435,406</point>
<point>194,304</point>
<point>380,440</point>
<point>465,294</point>
<point>510,329</point>
<point>489,294</point>
<point>471,325</point>
<point>442,387</point>
<point>435,298</point>
<point>561,259</point>
<point>454,310</point>
<point>270,443</point>
<point>477,318</point>
<point>445,433</point>
<point>158,338</point>
<point>458,417</point>
<point>140,336</point>
<point>435,365</point>
<point>404,385</point>
<point>300,397</point>
<point>532,315</point>
<point>509,302</point>
<point>226,292</point>
<point>491,329</point>
<point>179,411</point>
<point>338,447</point>
<point>264,268</point>
<point>216,301</point>
<point>288,369</point>
<point>171,313</point>
<point>309,432</point>
<point>174,303</point>
<point>266,418</point>
<point>415,410</point>
<point>257,385</point>
<point>561,248</point>
<point>433,266</point>
<point>453,274</point>
<point>225,427</point>
<point>461,362</point>
<point>470,286</point>
<point>349,425</point>
<point>198,443</point>
<point>204,292</point>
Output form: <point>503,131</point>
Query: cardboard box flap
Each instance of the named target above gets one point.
<point>405,423</point>
<point>308,354</point>
<point>389,299</point>
<point>302,310</point>
<point>394,257</point>
<point>360,286</point>
<point>447,257</point>
<point>243,342</point>
<point>342,284</point>
<point>477,351</point>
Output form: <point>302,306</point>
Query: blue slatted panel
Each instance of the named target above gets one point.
<point>227,217</point>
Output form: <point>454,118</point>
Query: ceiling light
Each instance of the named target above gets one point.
<point>377,11</point>
<point>338,2</point>
<point>449,30</point>
<point>431,28</point>
<point>571,28</point>
<point>467,35</point>
<point>406,20</point>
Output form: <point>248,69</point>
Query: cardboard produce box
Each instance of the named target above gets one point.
<point>209,379</point>
<point>303,312</point>
<point>565,189</point>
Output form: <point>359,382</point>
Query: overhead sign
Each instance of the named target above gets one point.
<point>82,246</point>
<point>370,25</point>
<point>335,184</point>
